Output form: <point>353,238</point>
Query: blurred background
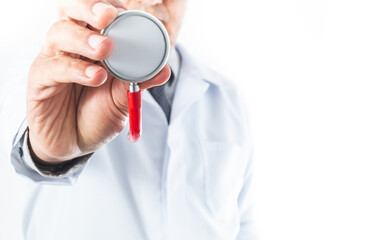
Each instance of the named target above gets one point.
<point>309,73</point>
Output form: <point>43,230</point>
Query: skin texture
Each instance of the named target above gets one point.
<point>74,106</point>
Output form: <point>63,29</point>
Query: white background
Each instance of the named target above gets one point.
<point>309,71</point>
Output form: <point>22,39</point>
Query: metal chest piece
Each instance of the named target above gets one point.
<point>141,50</point>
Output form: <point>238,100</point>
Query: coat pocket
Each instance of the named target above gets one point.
<point>224,167</point>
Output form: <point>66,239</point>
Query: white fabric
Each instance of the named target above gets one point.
<point>189,180</point>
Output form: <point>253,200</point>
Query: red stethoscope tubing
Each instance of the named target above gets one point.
<point>134,105</point>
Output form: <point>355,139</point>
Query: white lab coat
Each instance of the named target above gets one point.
<point>189,180</point>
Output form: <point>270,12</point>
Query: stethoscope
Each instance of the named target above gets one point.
<point>141,50</point>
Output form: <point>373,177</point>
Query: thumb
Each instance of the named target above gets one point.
<point>119,94</point>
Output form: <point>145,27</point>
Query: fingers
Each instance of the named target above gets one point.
<point>98,14</point>
<point>48,72</point>
<point>66,36</point>
<point>120,5</point>
<point>158,79</point>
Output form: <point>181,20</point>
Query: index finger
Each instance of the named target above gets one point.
<point>98,14</point>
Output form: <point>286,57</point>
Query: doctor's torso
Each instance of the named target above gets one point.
<point>180,181</point>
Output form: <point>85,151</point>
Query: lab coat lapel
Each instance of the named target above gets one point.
<point>191,85</point>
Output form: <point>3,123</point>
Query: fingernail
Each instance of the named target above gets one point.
<point>95,40</point>
<point>120,10</point>
<point>92,70</point>
<point>99,8</point>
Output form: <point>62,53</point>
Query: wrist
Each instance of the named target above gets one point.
<point>39,157</point>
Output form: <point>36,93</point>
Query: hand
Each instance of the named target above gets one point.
<point>74,106</point>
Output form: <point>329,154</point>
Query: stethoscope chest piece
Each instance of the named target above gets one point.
<point>141,50</point>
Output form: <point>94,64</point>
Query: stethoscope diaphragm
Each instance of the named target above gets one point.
<point>141,50</point>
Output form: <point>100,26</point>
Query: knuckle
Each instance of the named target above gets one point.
<point>54,32</point>
<point>53,67</point>
<point>80,33</point>
<point>56,27</point>
<point>72,65</point>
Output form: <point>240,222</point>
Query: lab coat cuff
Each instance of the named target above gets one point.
<point>20,132</point>
<point>62,170</point>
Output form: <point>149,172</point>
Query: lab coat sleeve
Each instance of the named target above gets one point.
<point>62,174</point>
<point>245,203</point>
